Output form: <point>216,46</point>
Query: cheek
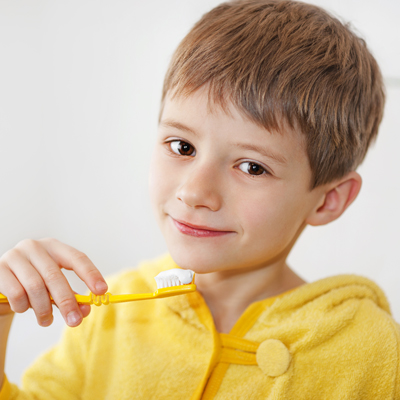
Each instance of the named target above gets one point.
<point>156,188</point>
<point>161,184</point>
<point>272,216</point>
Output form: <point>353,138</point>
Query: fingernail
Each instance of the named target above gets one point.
<point>73,318</point>
<point>101,286</point>
<point>47,322</point>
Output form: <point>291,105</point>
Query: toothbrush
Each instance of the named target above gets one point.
<point>172,282</point>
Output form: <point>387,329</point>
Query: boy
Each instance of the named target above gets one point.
<point>268,107</point>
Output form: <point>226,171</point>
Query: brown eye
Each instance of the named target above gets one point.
<point>252,168</point>
<point>182,148</point>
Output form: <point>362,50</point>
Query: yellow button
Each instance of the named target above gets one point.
<point>273,357</point>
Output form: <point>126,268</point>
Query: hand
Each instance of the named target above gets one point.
<point>32,269</point>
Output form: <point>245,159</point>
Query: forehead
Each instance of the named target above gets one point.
<point>198,113</point>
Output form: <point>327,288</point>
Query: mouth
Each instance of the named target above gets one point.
<point>198,230</point>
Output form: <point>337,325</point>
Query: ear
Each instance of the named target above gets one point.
<point>335,199</point>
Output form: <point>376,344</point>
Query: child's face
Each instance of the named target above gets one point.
<point>217,170</point>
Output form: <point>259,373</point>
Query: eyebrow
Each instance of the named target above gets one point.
<point>280,159</point>
<point>177,125</point>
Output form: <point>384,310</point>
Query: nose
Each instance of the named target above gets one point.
<point>201,188</point>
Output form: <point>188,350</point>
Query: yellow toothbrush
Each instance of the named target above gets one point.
<point>172,282</point>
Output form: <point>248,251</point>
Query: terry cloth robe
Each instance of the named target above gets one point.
<point>330,339</point>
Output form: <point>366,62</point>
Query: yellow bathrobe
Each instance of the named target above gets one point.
<point>331,339</point>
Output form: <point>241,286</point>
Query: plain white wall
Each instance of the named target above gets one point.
<point>80,85</point>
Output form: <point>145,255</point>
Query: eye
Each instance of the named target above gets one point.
<point>182,148</point>
<point>252,168</point>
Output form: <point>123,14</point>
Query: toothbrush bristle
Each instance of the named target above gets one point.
<point>174,277</point>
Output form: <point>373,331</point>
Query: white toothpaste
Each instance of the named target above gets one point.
<point>174,277</point>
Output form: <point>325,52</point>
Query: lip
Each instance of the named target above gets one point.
<point>203,227</point>
<point>198,230</point>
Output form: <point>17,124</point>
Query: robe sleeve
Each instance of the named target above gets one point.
<point>59,374</point>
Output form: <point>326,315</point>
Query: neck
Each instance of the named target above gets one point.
<point>229,293</point>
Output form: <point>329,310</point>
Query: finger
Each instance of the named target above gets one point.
<point>85,309</point>
<point>34,286</point>
<point>11,288</point>
<point>57,284</point>
<point>73,259</point>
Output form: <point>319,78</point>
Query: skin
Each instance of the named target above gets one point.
<point>30,271</point>
<point>200,175</point>
<point>263,216</point>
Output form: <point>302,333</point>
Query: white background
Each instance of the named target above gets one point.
<point>80,84</point>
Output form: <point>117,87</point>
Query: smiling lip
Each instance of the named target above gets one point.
<point>197,230</point>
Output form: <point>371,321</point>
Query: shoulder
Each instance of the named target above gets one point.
<point>375,330</point>
<point>348,332</point>
<point>370,344</point>
<point>354,308</point>
<point>343,340</point>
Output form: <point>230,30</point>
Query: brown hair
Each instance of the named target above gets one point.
<point>286,61</point>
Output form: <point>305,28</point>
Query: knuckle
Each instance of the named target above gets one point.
<point>29,244</point>
<point>35,286</point>
<point>92,272</point>
<point>48,240</point>
<point>52,275</point>
<point>3,259</point>
<point>18,300</point>
<point>78,256</point>
<point>16,295</point>
<point>67,303</point>
<point>10,255</point>
<point>20,307</point>
<point>15,252</point>
<point>43,314</point>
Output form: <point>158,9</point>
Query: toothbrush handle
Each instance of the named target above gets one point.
<point>101,299</point>
<point>80,299</point>
<point>3,299</point>
<point>108,298</point>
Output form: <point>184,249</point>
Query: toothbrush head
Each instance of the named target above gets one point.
<point>174,277</point>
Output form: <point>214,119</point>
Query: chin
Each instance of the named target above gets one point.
<point>199,262</point>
